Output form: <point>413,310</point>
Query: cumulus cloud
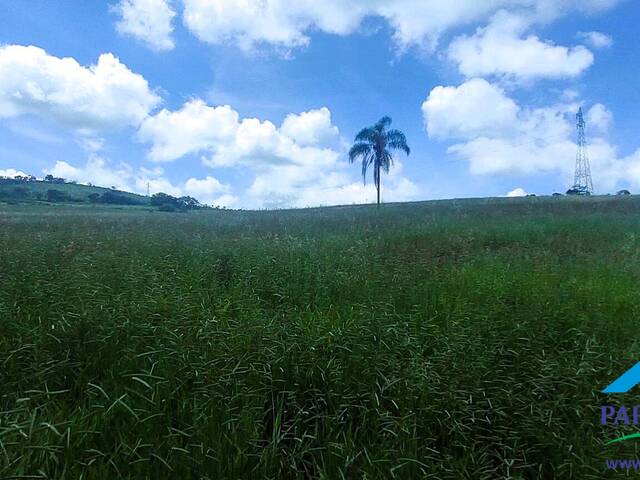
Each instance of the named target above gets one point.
<point>282,186</point>
<point>100,171</point>
<point>260,144</point>
<point>91,144</point>
<point>497,134</point>
<point>519,140</point>
<point>596,39</point>
<point>286,24</point>
<point>299,164</point>
<point>502,49</point>
<point>12,173</point>
<point>276,22</point>
<point>224,140</point>
<point>96,171</point>
<point>102,96</point>
<point>194,128</point>
<point>599,118</point>
<point>210,191</point>
<point>147,20</point>
<point>310,128</point>
<point>472,109</point>
<point>518,192</point>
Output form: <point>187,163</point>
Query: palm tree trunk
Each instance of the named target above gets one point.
<point>378,182</point>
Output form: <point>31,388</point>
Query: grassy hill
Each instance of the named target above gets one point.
<point>448,340</point>
<point>15,191</point>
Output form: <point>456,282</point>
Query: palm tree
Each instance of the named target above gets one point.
<point>374,146</point>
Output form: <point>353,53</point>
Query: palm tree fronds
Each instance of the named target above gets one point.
<point>374,145</point>
<point>366,135</point>
<point>359,150</point>
<point>387,161</point>
<point>383,123</point>
<point>366,161</point>
<point>396,140</point>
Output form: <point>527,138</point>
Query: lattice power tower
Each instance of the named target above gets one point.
<point>582,184</point>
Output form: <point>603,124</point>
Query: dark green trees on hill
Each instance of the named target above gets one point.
<point>169,203</point>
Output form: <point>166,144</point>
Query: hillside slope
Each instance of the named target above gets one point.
<point>20,191</point>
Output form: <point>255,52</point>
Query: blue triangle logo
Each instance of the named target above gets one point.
<point>626,381</point>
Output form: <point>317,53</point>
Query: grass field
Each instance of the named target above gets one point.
<point>443,340</point>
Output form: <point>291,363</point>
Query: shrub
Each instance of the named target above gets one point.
<point>182,203</point>
<point>117,199</point>
<point>51,179</point>
<point>20,192</point>
<point>57,196</point>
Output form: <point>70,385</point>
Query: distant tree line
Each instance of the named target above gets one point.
<point>54,195</point>
<point>169,203</point>
<point>113,198</point>
<point>20,191</point>
<point>31,178</point>
<point>163,201</point>
<point>52,179</point>
<point>19,179</point>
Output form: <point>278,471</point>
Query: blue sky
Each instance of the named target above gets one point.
<point>254,104</point>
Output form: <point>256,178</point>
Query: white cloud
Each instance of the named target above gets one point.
<point>518,192</point>
<point>633,169</point>
<point>96,171</point>
<point>508,139</point>
<point>210,191</point>
<point>248,23</point>
<point>596,39</point>
<point>502,49</point>
<point>100,171</point>
<point>225,140</point>
<point>474,108</point>
<point>147,20</point>
<point>299,164</point>
<point>520,156</point>
<point>599,118</point>
<point>282,186</point>
<point>277,22</point>
<point>522,141</point>
<point>570,95</point>
<point>310,128</point>
<point>261,144</point>
<point>205,186</point>
<point>194,128</point>
<point>12,172</point>
<point>91,144</point>
<point>105,95</point>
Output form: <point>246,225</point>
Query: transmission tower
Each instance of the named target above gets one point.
<point>582,184</point>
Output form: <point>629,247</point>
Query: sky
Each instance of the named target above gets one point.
<point>254,103</point>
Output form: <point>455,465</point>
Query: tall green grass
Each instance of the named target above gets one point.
<point>437,340</point>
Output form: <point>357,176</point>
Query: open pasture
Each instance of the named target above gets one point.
<point>458,339</point>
